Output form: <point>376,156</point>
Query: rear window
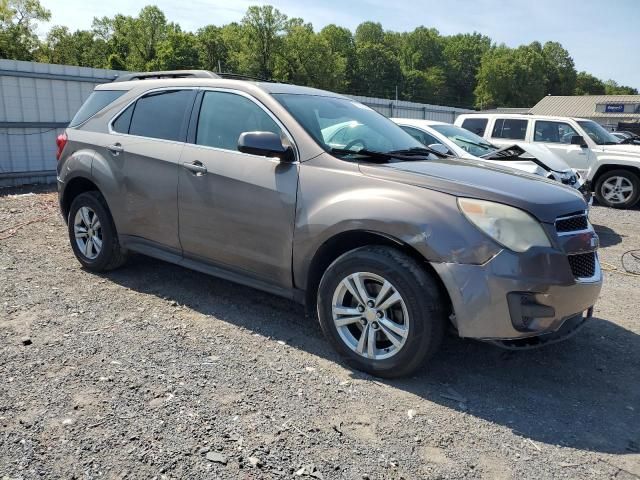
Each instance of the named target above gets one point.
<point>161,114</point>
<point>511,128</point>
<point>475,125</point>
<point>96,102</point>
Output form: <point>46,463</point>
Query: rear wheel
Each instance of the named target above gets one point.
<point>381,310</point>
<point>92,233</point>
<point>618,189</point>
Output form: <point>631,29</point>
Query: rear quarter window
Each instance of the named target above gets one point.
<point>475,125</point>
<point>92,105</point>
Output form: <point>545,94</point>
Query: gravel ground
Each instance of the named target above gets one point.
<point>154,371</point>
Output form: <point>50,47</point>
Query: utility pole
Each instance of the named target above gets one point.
<point>219,67</point>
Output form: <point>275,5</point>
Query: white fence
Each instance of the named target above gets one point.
<point>37,101</point>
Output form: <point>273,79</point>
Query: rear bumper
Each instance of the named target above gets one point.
<point>516,296</point>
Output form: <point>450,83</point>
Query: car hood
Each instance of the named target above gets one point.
<point>625,149</point>
<point>545,155</point>
<point>544,199</point>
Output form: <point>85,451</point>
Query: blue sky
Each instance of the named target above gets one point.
<point>602,36</point>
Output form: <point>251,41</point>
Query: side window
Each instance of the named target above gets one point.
<point>475,125</point>
<point>161,114</point>
<point>511,128</point>
<point>122,123</point>
<point>421,136</point>
<point>224,116</point>
<point>553,132</point>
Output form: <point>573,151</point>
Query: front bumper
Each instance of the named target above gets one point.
<point>516,296</point>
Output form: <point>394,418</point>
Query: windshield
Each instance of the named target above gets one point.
<point>468,141</point>
<point>597,133</point>
<point>343,124</point>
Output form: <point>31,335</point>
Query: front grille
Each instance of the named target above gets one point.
<point>572,224</point>
<point>583,265</point>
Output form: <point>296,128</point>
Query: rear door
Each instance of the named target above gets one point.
<point>507,131</point>
<point>146,144</point>
<point>556,136</point>
<point>237,210</point>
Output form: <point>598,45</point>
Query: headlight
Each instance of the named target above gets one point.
<point>509,226</point>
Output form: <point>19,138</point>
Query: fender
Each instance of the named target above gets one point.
<point>428,221</point>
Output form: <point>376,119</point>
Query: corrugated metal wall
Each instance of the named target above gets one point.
<point>402,109</point>
<point>37,100</point>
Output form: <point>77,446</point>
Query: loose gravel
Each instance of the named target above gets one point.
<point>154,371</point>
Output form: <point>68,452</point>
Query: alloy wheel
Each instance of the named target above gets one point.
<point>87,231</point>
<point>370,315</point>
<point>617,190</point>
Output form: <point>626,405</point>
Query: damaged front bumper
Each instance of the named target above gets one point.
<point>517,296</point>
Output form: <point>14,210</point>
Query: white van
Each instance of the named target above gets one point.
<point>612,168</point>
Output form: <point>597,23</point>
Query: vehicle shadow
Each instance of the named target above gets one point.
<point>583,393</point>
<point>608,237</point>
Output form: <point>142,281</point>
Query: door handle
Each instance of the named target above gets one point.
<point>115,149</point>
<point>196,167</point>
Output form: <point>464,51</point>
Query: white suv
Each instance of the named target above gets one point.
<point>612,168</point>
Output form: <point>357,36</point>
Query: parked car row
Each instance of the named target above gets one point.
<point>313,196</point>
<point>612,168</point>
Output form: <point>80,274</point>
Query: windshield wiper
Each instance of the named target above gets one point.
<point>486,146</point>
<point>418,152</point>
<point>363,152</point>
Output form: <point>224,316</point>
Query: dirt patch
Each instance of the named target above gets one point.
<point>143,372</point>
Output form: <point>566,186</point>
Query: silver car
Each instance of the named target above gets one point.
<point>388,242</point>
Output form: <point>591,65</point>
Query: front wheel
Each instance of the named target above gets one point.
<point>618,189</point>
<point>381,310</point>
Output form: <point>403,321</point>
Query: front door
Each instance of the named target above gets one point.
<point>557,137</point>
<point>236,210</point>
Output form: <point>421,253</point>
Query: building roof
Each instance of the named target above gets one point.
<point>589,106</point>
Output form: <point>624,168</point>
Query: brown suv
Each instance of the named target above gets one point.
<point>389,242</point>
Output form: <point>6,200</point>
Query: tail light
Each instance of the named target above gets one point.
<point>61,141</point>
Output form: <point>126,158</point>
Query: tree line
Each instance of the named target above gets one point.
<point>466,69</point>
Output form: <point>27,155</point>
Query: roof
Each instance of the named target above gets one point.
<point>268,87</point>
<point>590,106</point>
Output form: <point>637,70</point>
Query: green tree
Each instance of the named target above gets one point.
<point>339,46</point>
<point>178,51</point>
<point>212,48</point>
<point>369,32</point>
<point>264,27</point>
<point>462,56</point>
<point>560,69</point>
<point>377,71</point>
<point>77,48</point>
<point>421,49</point>
<point>611,87</point>
<point>587,84</point>
<point>511,77</point>
<point>18,24</point>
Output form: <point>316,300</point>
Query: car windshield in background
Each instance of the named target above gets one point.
<point>465,139</point>
<point>597,133</point>
<point>343,124</point>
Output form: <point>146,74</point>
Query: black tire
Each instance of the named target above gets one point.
<point>110,256</point>
<point>630,177</point>
<point>419,291</point>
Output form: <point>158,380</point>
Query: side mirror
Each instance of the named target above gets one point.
<point>266,144</point>
<point>438,147</point>
<point>578,140</point>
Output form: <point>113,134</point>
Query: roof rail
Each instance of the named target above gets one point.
<point>167,74</point>
<point>237,76</point>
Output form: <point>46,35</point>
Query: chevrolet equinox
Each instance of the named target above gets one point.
<point>388,242</point>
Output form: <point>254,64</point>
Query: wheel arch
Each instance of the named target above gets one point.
<point>346,241</point>
<point>72,189</point>
<point>608,167</point>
